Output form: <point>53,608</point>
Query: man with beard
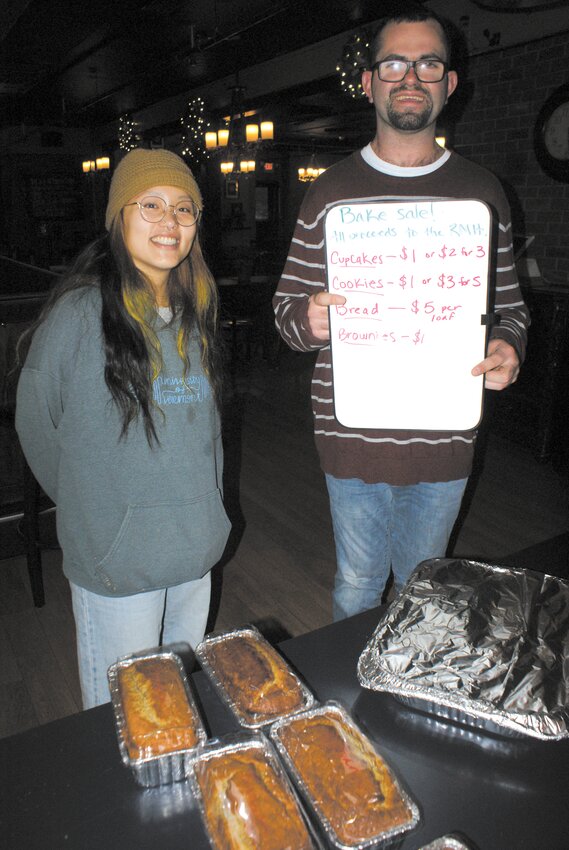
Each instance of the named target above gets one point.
<point>395,496</point>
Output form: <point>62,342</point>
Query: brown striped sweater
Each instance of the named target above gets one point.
<point>399,457</point>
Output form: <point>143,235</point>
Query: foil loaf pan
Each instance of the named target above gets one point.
<point>479,644</point>
<point>347,785</point>
<point>243,794</point>
<point>264,687</point>
<point>151,769</point>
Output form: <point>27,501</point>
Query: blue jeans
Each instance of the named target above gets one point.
<point>380,527</point>
<point>110,626</point>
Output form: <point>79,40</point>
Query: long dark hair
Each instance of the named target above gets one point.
<point>133,356</point>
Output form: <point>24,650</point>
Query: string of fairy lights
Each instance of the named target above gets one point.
<point>353,61</point>
<point>128,136</point>
<point>194,125</point>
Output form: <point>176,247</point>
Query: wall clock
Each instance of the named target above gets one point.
<point>551,135</point>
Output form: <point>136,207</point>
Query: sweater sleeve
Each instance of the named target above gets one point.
<point>39,409</point>
<point>304,275</point>
<point>509,306</point>
<point>42,390</point>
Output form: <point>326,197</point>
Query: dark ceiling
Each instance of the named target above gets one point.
<point>69,63</point>
<point>85,63</point>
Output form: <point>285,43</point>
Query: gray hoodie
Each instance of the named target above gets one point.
<point>130,517</point>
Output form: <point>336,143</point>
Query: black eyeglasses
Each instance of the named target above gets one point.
<point>395,70</point>
<point>153,209</point>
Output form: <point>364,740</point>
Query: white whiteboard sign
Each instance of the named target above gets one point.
<point>415,278</point>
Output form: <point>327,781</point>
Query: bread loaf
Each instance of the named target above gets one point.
<point>254,676</point>
<point>246,804</point>
<point>157,713</point>
<point>350,785</point>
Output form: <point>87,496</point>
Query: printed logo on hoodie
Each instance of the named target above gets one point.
<point>192,390</point>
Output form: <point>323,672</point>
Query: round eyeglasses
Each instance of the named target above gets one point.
<point>395,70</point>
<point>154,209</point>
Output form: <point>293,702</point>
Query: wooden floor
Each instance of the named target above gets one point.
<point>280,567</point>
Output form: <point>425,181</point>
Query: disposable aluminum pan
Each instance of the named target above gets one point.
<point>234,808</point>
<point>345,784</point>
<point>480,644</point>
<point>153,770</point>
<point>260,685</point>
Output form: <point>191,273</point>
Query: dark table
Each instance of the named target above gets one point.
<point>64,785</point>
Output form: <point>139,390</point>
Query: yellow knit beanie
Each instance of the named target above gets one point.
<point>139,170</point>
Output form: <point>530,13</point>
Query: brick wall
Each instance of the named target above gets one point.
<point>505,90</point>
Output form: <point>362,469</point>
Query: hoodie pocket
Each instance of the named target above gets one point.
<point>163,544</point>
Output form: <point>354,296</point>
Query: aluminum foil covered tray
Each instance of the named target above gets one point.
<point>346,783</point>
<point>158,724</point>
<point>245,797</point>
<point>251,676</point>
<point>446,842</point>
<point>481,644</point>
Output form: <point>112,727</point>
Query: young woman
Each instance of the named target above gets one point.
<point>117,414</point>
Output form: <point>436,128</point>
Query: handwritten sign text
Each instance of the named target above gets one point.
<point>415,278</point>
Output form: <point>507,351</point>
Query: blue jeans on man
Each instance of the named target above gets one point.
<point>382,527</point>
